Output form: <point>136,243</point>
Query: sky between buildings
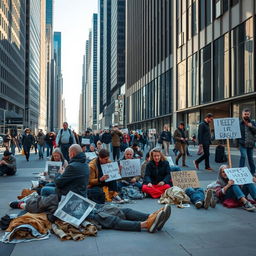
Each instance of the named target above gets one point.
<point>73,19</point>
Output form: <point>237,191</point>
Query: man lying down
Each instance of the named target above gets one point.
<point>75,178</point>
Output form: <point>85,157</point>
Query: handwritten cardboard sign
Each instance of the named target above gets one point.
<point>227,128</point>
<point>130,168</point>
<point>169,159</point>
<point>85,141</point>
<point>90,155</point>
<point>240,176</point>
<point>112,170</point>
<point>185,179</point>
<point>52,168</point>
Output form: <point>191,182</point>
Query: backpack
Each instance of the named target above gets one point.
<point>70,137</point>
<point>220,156</point>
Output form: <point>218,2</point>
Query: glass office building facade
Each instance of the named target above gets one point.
<point>214,57</point>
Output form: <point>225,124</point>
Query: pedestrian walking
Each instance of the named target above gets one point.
<point>204,140</point>
<point>247,140</point>
<point>166,137</point>
<point>27,141</point>
<point>65,139</point>
<point>116,142</point>
<point>40,144</point>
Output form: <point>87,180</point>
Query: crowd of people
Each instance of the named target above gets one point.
<point>86,178</point>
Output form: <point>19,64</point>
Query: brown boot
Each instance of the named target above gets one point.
<point>154,220</point>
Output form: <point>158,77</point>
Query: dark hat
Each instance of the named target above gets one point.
<point>7,153</point>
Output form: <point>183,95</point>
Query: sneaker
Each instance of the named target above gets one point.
<point>117,199</point>
<point>154,221</point>
<point>198,204</point>
<point>209,169</point>
<point>196,164</point>
<point>167,213</point>
<point>214,199</point>
<point>15,204</point>
<point>249,207</point>
<point>208,198</point>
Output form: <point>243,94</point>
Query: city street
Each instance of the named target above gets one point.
<point>189,231</point>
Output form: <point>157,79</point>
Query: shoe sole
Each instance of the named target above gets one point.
<point>208,198</point>
<point>213,203</point>
<point>158,220</point>
<point>198,205</point>
<point>167,213</point>
<point>252,209</point>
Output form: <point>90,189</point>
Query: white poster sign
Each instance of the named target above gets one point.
<point>152,131</point>
<point>85,141</point>
<point>227,128</point>
<point>169,159</point>
<point>74,209</point>
<point>125,131</point>
<point>130,167</point>
<point>90,155</point>
<point>52,168</point>
<point>240,176</point>
<point>112,170</point>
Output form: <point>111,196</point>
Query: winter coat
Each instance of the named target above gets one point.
<point>49,139</point>
<point>75,177</point>
<point>106,138</point>
<point>177,137</point>
<point>41,139</point>
<point>27,140</point>
<point>11,163</point>
<point>116,137</point>
<point>166,136</point>
<point>248,135</point>
<point>204,134</point>
<point>154,174</point>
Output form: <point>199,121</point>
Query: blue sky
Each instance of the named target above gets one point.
<point>73,19</point>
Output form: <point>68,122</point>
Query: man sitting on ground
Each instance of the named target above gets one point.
<point>8,164</point>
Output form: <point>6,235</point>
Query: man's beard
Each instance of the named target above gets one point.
<point>246,118</point>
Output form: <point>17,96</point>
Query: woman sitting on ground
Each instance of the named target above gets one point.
<point>226,189</point>
<point>133,181</point>
<point>157,176</point>
<point>57,156</point>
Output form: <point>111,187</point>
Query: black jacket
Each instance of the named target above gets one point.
<point>166,136</point>
<point>75,177</point>
<point>154,174</point>
<point>106,138</point>
<point>204,134</point>
<point>248,135</point>
<point>27,140</point>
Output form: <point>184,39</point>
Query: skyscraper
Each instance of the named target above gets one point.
<point>32,82</point>
<point>12,61</point>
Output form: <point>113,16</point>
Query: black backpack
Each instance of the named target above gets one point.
<point>220,155</point>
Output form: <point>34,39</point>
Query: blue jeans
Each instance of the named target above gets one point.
<point>48,189</point>
<point>195,194</point>
<point>249,152</point>
<point>237,192</point>
<point>49,149</point>
<point>40,151</point>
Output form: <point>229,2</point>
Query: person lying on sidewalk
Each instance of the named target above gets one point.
<point>157,175</point>
<point>226,189</point>
<point>75,178</point>
<point>200,198</point>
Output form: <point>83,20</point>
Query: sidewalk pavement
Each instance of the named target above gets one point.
<point>189,231</point>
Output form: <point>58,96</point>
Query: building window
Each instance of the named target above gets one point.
<point>192,81</point>
<point>194,18</point>
<point>205,76</point>
<point>221,68</point>
<point>242,58</point>
<point>233,2</point>
<point>181,85</point>
<point>208,6</point>
<point>202,14</point>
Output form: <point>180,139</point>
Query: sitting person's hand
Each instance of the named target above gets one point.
<point>133,180</point>
<point>230,183</point>
<point>254,179</point>
<point>61,170</point>
<point>161,183</point>
<point>150,185</point>
<point>104,177</point>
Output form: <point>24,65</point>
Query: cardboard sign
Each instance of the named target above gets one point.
<point>130,168</point>
<point>90,155</point>
<point>240,176</point>
<point>152,131</point>
<point>112,170</point>
<point>52,168</point>
<point>125,131</point>
<point>74,209</point>
<point>185,179</point>
<point>227,128</point>
<point>169,159</point>
<point>85,141</point>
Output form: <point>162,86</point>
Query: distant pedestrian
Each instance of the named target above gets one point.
<point>180,144</point>
<point>49,142</point>
<point>116,142</point>
<point>247,140</point>
<point>204,139</point>
<point>27,141</point>
<point>106,139</point>
<point>166,137</point>
<point>40,143</point>
<point>65,139</point>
